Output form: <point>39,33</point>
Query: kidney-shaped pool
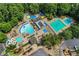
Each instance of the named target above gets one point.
<point>27,28</point>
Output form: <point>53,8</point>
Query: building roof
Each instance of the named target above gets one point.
<point>70,43</point>
<point>2,48</point>
<point>39,52</point>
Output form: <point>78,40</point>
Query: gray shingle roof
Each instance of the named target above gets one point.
<point>70,43</point>
<point>39,52</point>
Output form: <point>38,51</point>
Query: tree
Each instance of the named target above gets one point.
<point>56,40</point>
<point>75,30</point>
<point>46,41</point>
<point>49,16</point>
<point>75,12</point>
<point>14,21</point>
<point>5,27</point>
<point>4,12</point>
<point>34,8</point>
<point>26,7</point>
<point>51,40</point>
<point>49,8</point>
<point>77,51</point>
<point>9,50</point>
<point>1,18</point>
<point>63,9</point>
<point>11,47</point>
<point>16,10</point>
<point>67,34</point>
<point>3,37</point>
<point>9,16</point>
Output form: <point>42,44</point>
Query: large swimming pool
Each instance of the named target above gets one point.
<point>27,28</point>
<point>57,25</point>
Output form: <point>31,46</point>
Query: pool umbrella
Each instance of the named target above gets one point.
<point>28,17</point>
<point>42,17</point>
<point>25,40</point>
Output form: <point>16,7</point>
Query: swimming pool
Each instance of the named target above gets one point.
<point>19,39</point>
<point>57,25</point>
<point>27,29</point>
<point>68,21</point>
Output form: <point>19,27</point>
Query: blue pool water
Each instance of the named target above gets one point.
<point>27,29</point>
<point>19,39</point>
<point>33,17</point>
<point>45,31</point>
<point>57,25</point>
<point>68,21</point>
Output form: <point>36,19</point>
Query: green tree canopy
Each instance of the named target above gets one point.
<point>50,8</point>
<point>1,18</point>
<point>9,16</point>
<point>3,37</point>
<point>75,31</point>
<point>5,27</point>
<point>67,34</point>
<point>16,10</point>
<point>14,21</point>
<point>63,9</point>
<point>51,40</point>
<point>34,8</point>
